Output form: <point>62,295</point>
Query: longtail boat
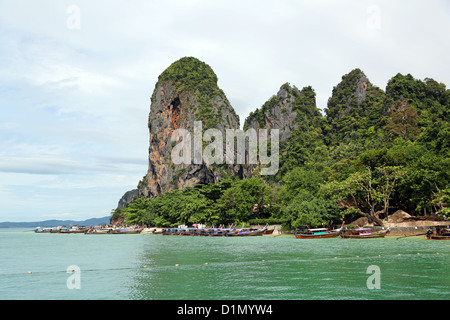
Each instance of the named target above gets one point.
<point>318,233</point>
<point>218,232</point>
<point>245,232</point>
<point>269,231</point>
<point>187,232</point>
<point>170,231</point>
<point>363,233</point>
<point>43,230</point>
<point>441,234</point>
<point>126,231</point>
<point>98,231</point>
<point>74,229</point>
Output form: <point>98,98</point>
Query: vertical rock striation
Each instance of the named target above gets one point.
<point>290,111</point>
<point>355,105</point>
<point>186,92</point>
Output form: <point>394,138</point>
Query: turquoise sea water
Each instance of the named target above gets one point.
<point>217,268</point>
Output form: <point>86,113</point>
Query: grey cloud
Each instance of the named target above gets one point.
<point>48,166</point>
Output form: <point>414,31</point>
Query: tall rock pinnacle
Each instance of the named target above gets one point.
<point>186,92</point>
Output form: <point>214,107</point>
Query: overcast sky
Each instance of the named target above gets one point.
<point>76,78</point>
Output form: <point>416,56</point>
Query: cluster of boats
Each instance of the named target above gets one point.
<point>91,230</point>
<point>361,233</point>
<point>215,232</point>
<point>183,231</point>
<point>304,232</point>
<point>60,229</point>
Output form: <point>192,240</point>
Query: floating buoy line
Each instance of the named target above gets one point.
<point>337,258</point>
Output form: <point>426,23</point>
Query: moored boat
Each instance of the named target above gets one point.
<point>43,230</point>
<point>74,229</point>
<point>98,231</point>
<point>363,233</point>
<point>170,231</point>
<point>157,231</point>
<point>150,230</point>
<point>245,232</point>
<point>218,232</point>
<point>187,232</point>
<point>317,233</point>
<point>55,229</point>
<point>126,231</point>
<point>441,234</point>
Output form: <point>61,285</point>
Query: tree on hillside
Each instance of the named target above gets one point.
<point>367,190</point>
<point>403,121</point>
<point>389,176</point>
<point>308,209</point>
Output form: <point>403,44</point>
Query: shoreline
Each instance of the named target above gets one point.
<point>409,229</point>
<point>396,229</point>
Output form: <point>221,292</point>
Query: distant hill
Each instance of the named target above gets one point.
<point>55,223</point>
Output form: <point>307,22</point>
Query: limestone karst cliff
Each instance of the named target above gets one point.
<point>291,111</point>
<point>186,92</point>
<point>364,131</point>
<point>286,111</point>
<point>355,104</point>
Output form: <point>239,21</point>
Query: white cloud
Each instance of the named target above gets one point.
<point>75,102</point>
<point>51,166</point>
<point>59,215</point>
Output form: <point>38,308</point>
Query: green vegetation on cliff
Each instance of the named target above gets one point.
<point>354,107</point>
<point>373,152</point>
<point>190,75</point>
<point>197,79</point>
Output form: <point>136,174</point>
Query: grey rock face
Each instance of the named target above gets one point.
<point>127,198</point>
<point>173,108</point>
<point>285,111</point>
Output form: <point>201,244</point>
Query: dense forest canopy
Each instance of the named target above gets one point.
<point>191,75</point>
<point>372,153</point>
